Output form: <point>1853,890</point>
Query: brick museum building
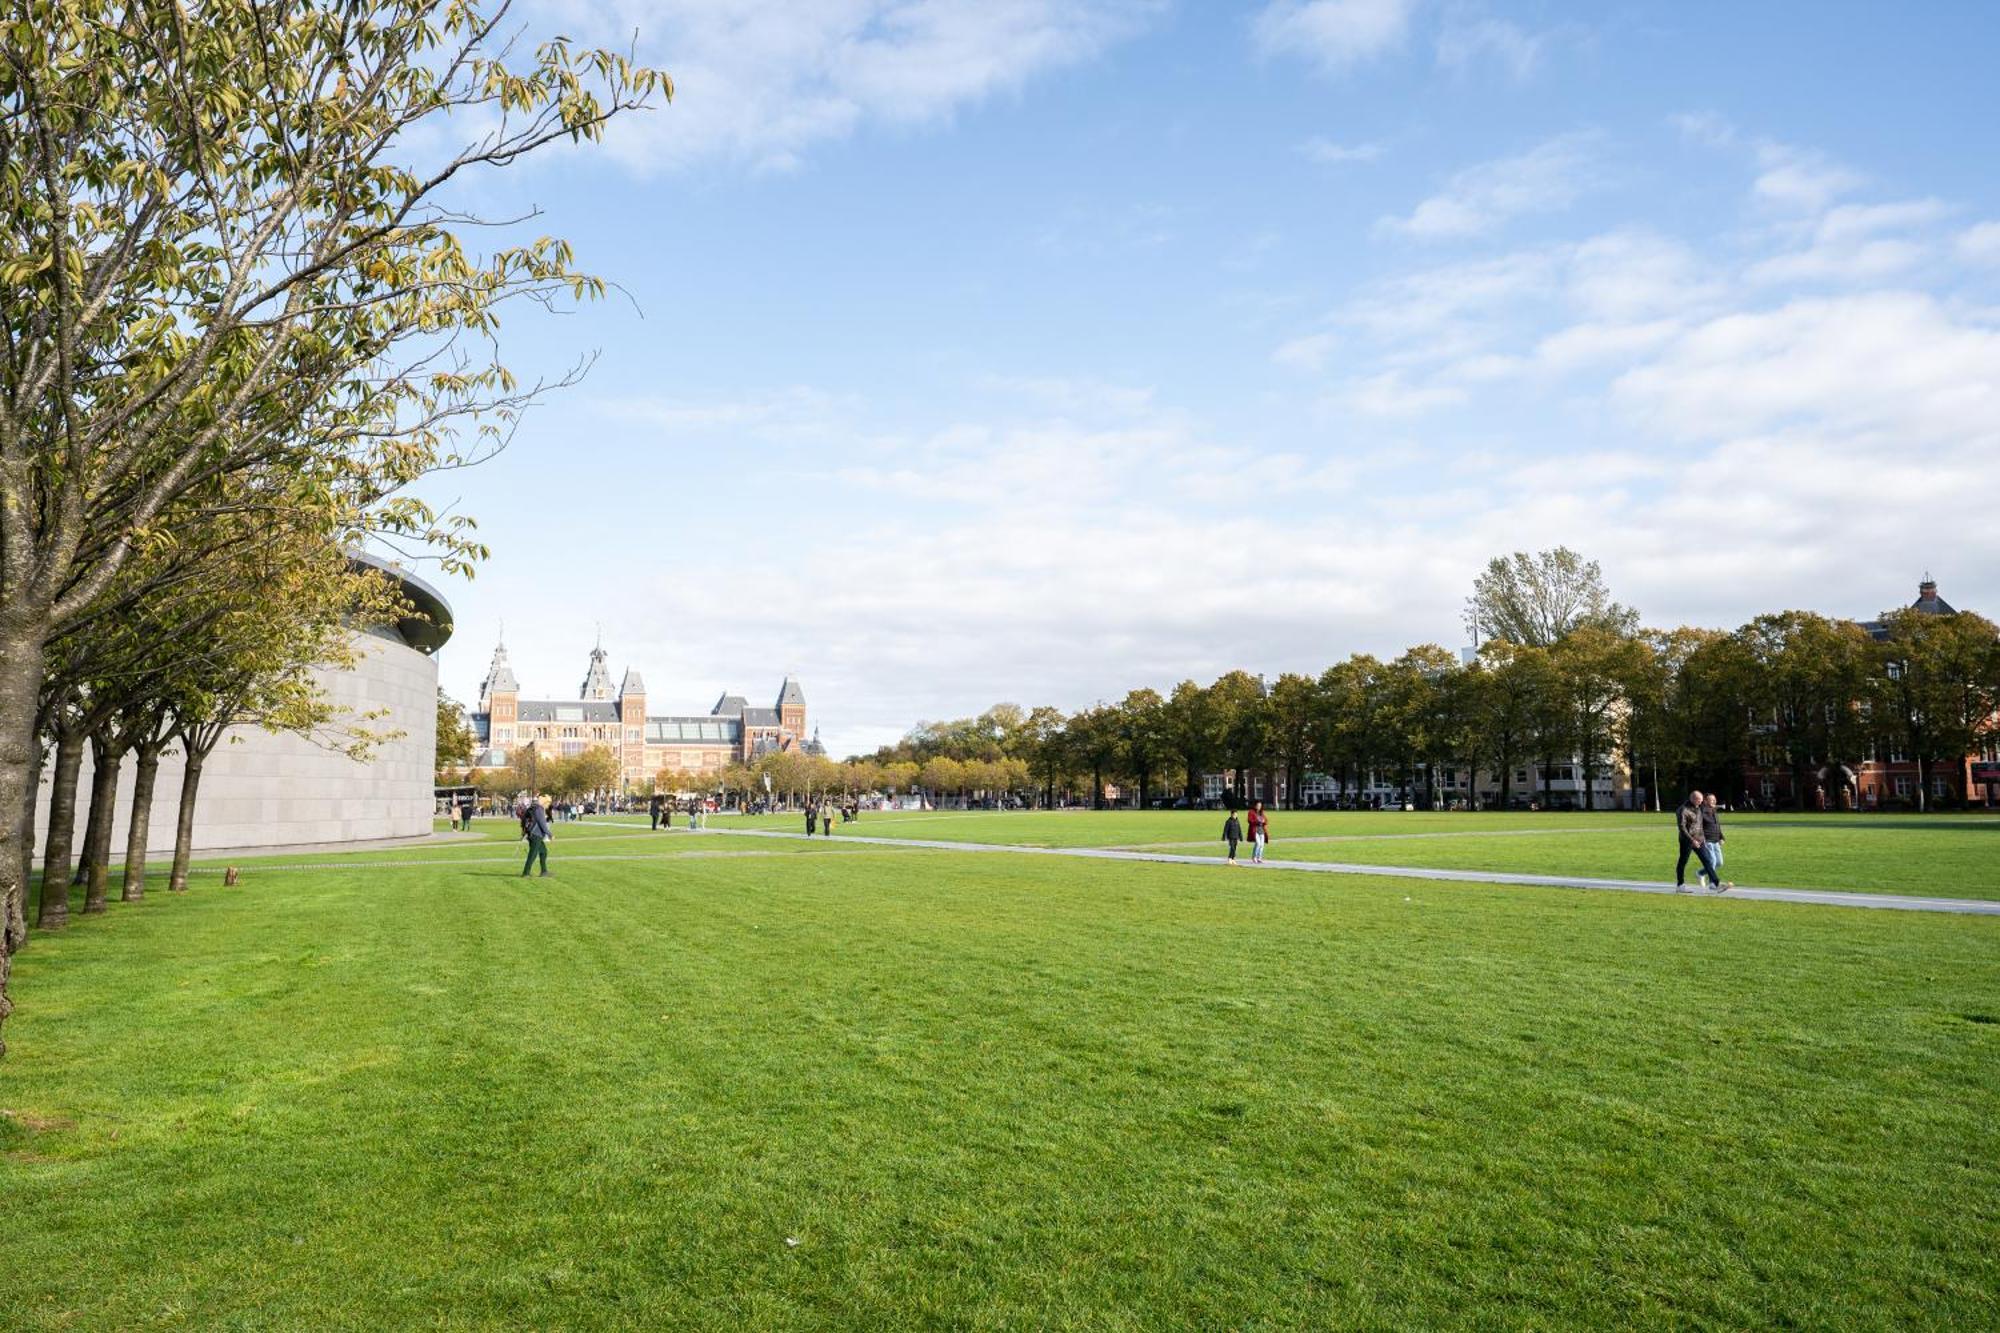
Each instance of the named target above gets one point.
<point>662,747</point>
<point>1882,777</point>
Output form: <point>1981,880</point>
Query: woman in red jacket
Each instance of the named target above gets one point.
<point>1260,832</point>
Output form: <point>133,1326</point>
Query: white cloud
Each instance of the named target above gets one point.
<point>1464,43</point>
<point>1335,34</point>
<point>1800,180</point>
<point>1392,395</point>
<point>1546,179</point>
<point>1980,243</point>
<point>1635,274</point>
<point>1320,149</point>
<point>761,82</point>
<point>1878,361</point>
<point>1306,353</point>
<point>1848,244</point>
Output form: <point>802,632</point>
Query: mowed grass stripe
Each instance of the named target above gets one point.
<point>994,1091</point>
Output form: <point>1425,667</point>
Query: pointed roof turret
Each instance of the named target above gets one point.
<point>499,675</point>
<point>597,684</point>
<point>791,693</point>
<point>632,684</point>
<point>729,705</point>
<point>1928,600</point>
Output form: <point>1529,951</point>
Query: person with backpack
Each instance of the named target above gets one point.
<point>1260,832</point>
<point>535,828</point>
<point>1232,833</point>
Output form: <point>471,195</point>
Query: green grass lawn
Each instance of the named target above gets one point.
<point>1944,855</point>
<point>883,1089</point>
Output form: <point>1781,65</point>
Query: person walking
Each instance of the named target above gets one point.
<point>1687,821</point>
<point>1711,840</point>
<point>812,819</point>
<point>653,810</point>
<point>535,828</point>
<point>1260,832</point>
<point>1232,833</point>
<point>826,820</point>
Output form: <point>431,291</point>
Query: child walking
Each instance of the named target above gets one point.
<point>1232,833</point>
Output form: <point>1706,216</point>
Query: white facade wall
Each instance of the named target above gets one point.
<point>264,790</point>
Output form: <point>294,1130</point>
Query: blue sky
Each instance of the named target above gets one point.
<point>1035,351</point>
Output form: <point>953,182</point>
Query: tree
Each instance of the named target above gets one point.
<point>1514,679</point>
<point>1293,708</point>
<point>1409,715</point>
<point>1590,665</point>
<point>1044,744</point>
<point>1807,676</point>
<point>942,774</point>
<point>228,250</point>
<point>1242,724</point>
<point>590,773</point>
<point>1535,600</point>
<point>1343,735</point>
<point>1096,737</point>
<point>1142,728</point>
<point>455,740</point>
<point>1939,688</point>
<point>1189,719</point>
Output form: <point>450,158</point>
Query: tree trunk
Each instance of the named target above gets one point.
<point>58,850</point>
<point>80,869</point>
<point>20,690</point>
<point>177,879</point>
<point>96,867</point>
<point>140,824</point>
<point>16,904</point>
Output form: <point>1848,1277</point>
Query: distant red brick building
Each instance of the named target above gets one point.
<point>1882,778</point>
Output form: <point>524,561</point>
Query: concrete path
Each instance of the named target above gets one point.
<point>1818,897</point>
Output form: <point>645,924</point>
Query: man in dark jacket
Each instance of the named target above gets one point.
<point>1688,821</point>
<point>653,810</point>
<point>535,828</point>
<point>1232,833</point>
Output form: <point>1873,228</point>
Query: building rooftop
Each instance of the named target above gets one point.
<point>1928,602</point>
<point>693,730</point>
<point>565,710</point>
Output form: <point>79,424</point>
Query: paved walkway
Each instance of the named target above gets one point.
<point>1818,897</point>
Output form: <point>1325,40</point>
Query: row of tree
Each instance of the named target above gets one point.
<point>239,317</point>
<point>788,775</point>
<point>1564,677</point>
